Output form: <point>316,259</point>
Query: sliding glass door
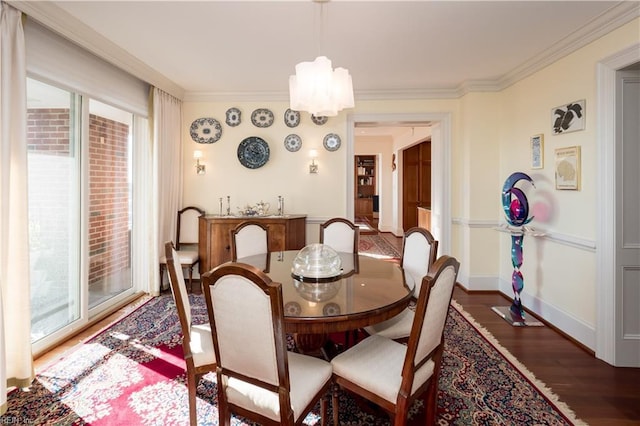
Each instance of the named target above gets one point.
<point>80,208</point>
<point>53,136</point>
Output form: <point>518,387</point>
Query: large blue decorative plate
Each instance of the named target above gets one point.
<point>253,152</point>
<point>205,130</point>
<point>262,117</point>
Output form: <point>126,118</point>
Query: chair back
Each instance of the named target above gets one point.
<point>247,323</point>
<point>419,251</point>
<point>179,292</point>
<point>340,234</point>
<point>426,340</point>
<point>248,239</point>
<point>187,226</point>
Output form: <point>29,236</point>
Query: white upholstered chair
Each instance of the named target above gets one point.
<point>340,234</point>
<point>197,343</point>
<point>186,241</point>
<point>419,250</point>
<point>393,375</point>
<point>257,377</point>
<point>249,239</point>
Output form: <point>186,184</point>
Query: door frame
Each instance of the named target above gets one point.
<point>606,309</point>
<point>441,176</point>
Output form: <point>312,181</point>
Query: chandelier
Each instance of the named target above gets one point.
<point>319,89</point>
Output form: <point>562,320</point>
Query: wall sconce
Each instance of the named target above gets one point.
<point>200,168</point>
<point>313,167</point>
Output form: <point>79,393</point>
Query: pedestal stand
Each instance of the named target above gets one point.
<point>514,314</point>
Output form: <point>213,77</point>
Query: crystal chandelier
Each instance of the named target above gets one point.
<point>319,89</point>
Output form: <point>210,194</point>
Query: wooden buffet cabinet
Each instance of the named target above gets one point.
<point>214,247</point>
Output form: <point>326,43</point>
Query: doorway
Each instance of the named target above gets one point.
<point>416,178</point>
<point>391,204</point>
<point>617,341</point>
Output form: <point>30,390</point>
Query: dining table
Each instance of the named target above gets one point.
<point>368,290</point>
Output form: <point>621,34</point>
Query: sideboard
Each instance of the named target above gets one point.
<point>214,247</point>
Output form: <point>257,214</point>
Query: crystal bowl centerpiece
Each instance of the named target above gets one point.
<point>317,263</point>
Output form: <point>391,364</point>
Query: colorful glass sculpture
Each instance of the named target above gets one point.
<point>516,209</point>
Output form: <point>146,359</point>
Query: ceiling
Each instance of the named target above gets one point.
<point>217,50</point>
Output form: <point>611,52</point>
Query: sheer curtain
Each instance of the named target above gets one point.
<point>167,142</point>
<point>16,362</point>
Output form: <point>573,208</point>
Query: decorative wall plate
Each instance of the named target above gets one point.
<point>320,120</point>
<point>234,117</point>
<point>291,118</point>
<point>253,152</point>
<point>205,130</point>
<point>331,142</point>
<point>292,142</point>
<point>262,117</point>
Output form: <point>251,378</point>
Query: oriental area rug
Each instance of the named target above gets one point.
<point>377,246</point>
<point>132,373</point>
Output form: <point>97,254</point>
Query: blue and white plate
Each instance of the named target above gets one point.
<point>292,142</point>
<point>291,117</point>
<point>331,142</point>
<point>205,130</point>
<point>319,120</point>
<point>234,117</point>
<point>253,152</point>
<point>262,117</point>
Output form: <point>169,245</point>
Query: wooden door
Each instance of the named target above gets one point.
<point>416,182</point>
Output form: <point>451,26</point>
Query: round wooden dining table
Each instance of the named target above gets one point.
<point>370,290</point>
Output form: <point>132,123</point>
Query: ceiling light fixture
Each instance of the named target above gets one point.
<point>319,89</point>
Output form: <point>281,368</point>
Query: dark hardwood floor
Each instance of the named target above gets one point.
<point>596,392</point>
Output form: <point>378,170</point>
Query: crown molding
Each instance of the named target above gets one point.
<point>75,30</point>
<point>615,17</point>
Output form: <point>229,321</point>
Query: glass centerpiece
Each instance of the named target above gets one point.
<point>317,263</point>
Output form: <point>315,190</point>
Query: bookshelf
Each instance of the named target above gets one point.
<point>365,185</point>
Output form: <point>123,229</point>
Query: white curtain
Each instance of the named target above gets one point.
<point>16,362</point>
<point>167,143</point>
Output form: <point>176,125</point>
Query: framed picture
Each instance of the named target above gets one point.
<point>568,118</point>
<point>537,151</point>
<point>567,164</point>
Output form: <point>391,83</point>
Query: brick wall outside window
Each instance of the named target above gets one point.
<point>109,234</point>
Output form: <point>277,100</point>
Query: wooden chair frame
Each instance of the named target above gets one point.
<point>234,232</point>
<point>178,242</point>
<point>274,292</point>
<point>194,373</point>
<point>356,230</point>
<point>428,390</point>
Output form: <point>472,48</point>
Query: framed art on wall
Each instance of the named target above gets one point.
<point>568,118</point>
<point>567,168</point>
<point>537,151</point>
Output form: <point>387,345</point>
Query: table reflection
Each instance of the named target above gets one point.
<point>368,291</point>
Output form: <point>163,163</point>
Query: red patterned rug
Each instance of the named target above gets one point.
<point>132,373</point>
<point>377,246</point>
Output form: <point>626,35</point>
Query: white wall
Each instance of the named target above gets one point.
<point>560,268</point>
<point>490,140</point>
<point>320,196</point>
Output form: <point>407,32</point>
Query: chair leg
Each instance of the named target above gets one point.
<point>431,401</point>
<point>191,278</point>
<point>161,275</point>
<point>192,384</point>
<point>335,389</point>
<point>323,410</point>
